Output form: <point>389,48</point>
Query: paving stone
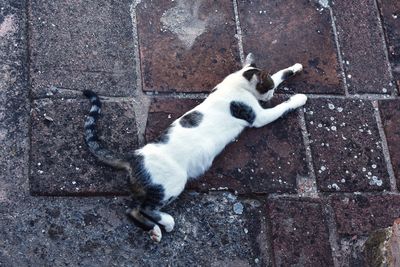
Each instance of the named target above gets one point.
<point>60,161</point>
<point>186,46</point>
<point>260,160</point>
<point>390,113</point>
<point>346,146</point>
<point>298,31</point>
<point>361,44</point>
<point>300,236</point>
<point>361,214</point>
<point>81,45</point>
<point>390,13</point>
<point>95,231</point>
<point>351,251</point>
<point>14,103</point>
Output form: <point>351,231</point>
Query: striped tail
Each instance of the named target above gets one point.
<point>91,139</point>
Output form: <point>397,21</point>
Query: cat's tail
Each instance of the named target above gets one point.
<point>92,141</point>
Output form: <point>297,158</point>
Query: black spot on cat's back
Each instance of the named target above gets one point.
<point>191,120</point>
<point>242,111</point>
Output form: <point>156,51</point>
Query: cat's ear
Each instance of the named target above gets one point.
<point>265,83</point>
<point>250,60</point>
<point>248,74</point>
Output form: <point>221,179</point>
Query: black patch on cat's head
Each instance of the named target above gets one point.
<point>265,83</point>
<point>191,120</point>
<point>248,74</point>
<point>242,111</point>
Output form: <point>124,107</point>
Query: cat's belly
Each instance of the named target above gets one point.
<point>199,166</point>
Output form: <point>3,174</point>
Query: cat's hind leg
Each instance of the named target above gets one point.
<point>161,218</point>
<point>146,224</point>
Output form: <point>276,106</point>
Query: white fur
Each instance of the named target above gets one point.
<point>189,152</point>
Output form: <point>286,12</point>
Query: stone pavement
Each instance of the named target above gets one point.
<point>308,190</point>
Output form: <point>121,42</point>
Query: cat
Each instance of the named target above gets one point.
<point>158,171</point>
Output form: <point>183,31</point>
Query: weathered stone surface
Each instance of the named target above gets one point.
<point>360,214</point>
<point>346,146</point>
<point>96,231</point>
<point>186,46</point>
<point>14,103</point>
<point>382,247</point>
<point>298,31</point>
<point>81,45</point>
<point>390,113</point>
<point>259,161</point>
<point>300,235</point>
<point>351,251</point>
<point>390,13</point>
<point>60,163</point>
<point>361,44</point>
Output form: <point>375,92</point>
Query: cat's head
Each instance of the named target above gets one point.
<point>259,81</point>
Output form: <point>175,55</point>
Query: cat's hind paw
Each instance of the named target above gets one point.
<point>168,222</point>
<point>155,234</point>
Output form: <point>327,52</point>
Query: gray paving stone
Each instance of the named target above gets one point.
<point>14,103</point>
<point>95,231</point>
<point>300,235</point>
<point>346,146</point>
<point>362,47</point>
<point>60,163</point>
<point>390,14</point>
<point>390,113</point>
<point>81,45</point>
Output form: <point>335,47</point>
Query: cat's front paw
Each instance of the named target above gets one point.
<point>297,100</point>
<point>297,67</point>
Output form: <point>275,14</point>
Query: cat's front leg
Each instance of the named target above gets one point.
<point>281,76</point>
<point>265,116</point>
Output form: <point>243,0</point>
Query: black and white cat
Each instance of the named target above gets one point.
<point>159,171</point>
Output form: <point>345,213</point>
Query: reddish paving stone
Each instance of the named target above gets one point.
<point>390,12</point>
<point>260,160</point>
<point>300,235</point>
<point>298,31</point>
<point>81,45</point>
<point>60,163</point>
<point>346,146</point>
<point>360,214</point>
<point>362,48</point>
<point>390,112</point>
<point>185,46</point>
